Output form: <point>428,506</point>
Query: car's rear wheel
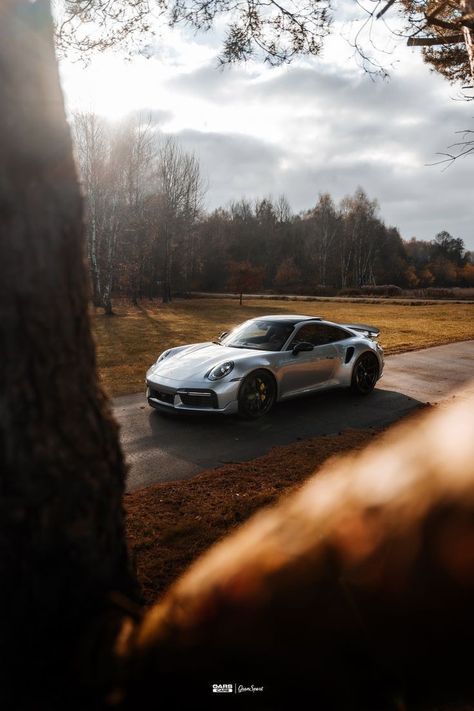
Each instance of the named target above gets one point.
<point>257,394</point>
<point>365,374</point>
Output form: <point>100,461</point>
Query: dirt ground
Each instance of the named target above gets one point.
<point>169,525</point>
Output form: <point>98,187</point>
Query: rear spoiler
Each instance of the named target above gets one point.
<point>371,331</point>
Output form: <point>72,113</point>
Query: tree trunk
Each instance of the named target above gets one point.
<point>62,475</point>
<point>92,255</point>
<point>166,284</point>
<point>467,7</point>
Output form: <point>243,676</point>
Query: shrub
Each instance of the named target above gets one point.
<point>350,292</point>
<point>381,290</point>
<point>434,293</point>
<point>373,290</point>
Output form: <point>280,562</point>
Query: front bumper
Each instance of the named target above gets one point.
<point>173,396</point>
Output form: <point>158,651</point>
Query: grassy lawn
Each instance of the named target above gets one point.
<point>130,341</point>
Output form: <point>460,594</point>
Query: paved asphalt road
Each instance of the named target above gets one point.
<point>164,448</point>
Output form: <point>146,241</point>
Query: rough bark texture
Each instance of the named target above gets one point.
<point>356,593</point>
<point>62,475</point>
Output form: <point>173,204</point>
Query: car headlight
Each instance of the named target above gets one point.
<point>220,371</point>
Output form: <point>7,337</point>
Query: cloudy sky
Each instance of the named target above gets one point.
<point>317,125</point>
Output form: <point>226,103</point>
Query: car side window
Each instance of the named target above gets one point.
<point>308,334</point>
<point>331,334</point>
<point>318,334</point>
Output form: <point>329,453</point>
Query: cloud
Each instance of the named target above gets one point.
<point>332,129</point>
<point>418,199</point>
<point>235,165</point>
<point>315,126</point>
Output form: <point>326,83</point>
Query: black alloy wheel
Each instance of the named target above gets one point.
<point>365,374</point>
<point>257,394</point>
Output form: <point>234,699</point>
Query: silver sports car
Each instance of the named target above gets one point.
<point>263,361</point>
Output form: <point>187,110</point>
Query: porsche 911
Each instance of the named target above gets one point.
<point>264,361</point>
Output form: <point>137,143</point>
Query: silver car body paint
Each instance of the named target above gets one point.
<point>180,382</point>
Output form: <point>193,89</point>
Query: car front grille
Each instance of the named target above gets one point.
<point>202,399</point>
<point>198,398</point>
<point>162,396</point>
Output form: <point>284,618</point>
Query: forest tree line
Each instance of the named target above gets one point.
<point>148,234</point>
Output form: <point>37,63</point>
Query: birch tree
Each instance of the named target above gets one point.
<point>91,149</point>
<point>102,174</point>
<point>136,148</point>
<point>116,166</point>
<point>358,244</point>
<point>324,225</point>
<point>178,200</point>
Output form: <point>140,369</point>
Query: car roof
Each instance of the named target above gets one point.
<point>287,318</point>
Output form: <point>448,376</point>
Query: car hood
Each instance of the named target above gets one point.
<point>195,361</point>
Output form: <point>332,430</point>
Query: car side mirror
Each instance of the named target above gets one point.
<point>302,347</point>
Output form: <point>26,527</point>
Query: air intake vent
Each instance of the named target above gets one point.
<point>349,354</point>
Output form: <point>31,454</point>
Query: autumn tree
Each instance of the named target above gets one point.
<point>243,277</point>
<point>465,275</point>
<point>288,275</point>
<point>391,264</point>
<point>212,250</point>
<point>449,247</point>
<point>438,262</point>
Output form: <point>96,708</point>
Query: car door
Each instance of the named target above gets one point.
<point>308,370</point>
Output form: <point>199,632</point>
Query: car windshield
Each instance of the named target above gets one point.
<point>259,335</point>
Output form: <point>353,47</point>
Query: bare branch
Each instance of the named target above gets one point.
<point>384,9</point>
<point>433,41</point>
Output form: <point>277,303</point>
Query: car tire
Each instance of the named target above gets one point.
<point>257,394</point>
<point>365,374</point>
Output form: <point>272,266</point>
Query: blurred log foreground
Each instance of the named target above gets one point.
<point>356,592</point>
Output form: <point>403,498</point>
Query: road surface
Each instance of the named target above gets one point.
<point>165,448</point>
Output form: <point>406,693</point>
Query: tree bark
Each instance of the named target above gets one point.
<point>467,7</point>
<point>62,548</point>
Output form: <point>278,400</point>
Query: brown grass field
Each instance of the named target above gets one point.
<point>130,341</point>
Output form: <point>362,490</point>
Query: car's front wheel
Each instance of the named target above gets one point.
<point>365,374</point>
<point>257,394</point>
